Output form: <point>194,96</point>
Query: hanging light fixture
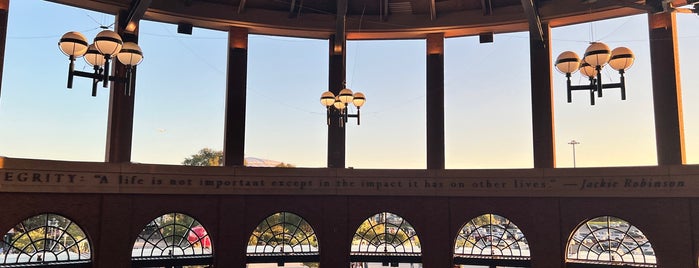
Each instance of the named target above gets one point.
<point>596,56</point>
<point>106,45</point>
<point>337,105</point>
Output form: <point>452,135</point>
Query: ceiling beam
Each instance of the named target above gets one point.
<point>136,11</point>
<point>298,10</point>
<point>648,6</point>
<point>384,14</point>
<point>487,6</point>
<point>340,28</point>
<point>532,14</point>
<point>291,8</point>
<point>241,6</point>
<point>295,9</point>
<point>433,9</point>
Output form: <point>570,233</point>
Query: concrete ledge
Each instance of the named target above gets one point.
<point>39,176</point>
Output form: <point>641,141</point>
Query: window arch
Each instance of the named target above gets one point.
<point>46,239</point>
<point>387,238</point>
<point>491,239</point>
<point>283,237</point>
<point>173,239</point>
<point>609,240</point>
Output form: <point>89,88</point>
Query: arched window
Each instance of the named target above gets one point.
<point>491,240</point>
<point>608,240</point>
<point>45,239</point>
<point>173,239</point>
<point>281,238</point>
<point>385,238</point>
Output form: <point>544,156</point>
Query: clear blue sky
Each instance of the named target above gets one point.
<point>181,87</point>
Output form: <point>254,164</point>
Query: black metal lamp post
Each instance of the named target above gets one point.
<point>107,44</point>
<point>337,105</point>
<point>597,55</point>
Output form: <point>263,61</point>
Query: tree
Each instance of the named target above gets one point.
<point>211,157</point>
<point>205,157</point>
<point>383,232</point>
<point>284,228</point>
<point>283,165</point>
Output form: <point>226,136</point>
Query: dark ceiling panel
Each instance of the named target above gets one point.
<point>379,19</point>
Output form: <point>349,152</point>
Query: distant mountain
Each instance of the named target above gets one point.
<point>259,162</point>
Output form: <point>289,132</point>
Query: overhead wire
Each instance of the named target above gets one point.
<point>194,52</point>
<point>616,29</point>
<point>361,22</point>
<point>356,54</point>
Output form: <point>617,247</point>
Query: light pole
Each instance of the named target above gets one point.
<point>53,223</point>
<point>573,142</point>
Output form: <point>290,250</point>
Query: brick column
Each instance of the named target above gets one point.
<point>435,101</point>
<point>542,100</point>
<point>667,96</point>
<point>236,86</point>
<point>121,105</point>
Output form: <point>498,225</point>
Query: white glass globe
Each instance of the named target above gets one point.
<point>108,42</point>
<point>568,62</point>
<point>73,44</point>
<point>338,104</point>
<point>345,96</point>
<point>359,99</point>
<point>597,54</point>
<point>130,54</point>
<point>622,58</point>
<point>327,99</point>
<point>587,70</point>
<point>93,56</point>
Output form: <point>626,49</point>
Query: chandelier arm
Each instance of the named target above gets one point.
<point>345,114</point>
<point>105,81</point>
<point>95,75</point>
<point>622,86</point>
<point>614,85</point>
<point>94,87</point>
<point>117,79</point>
<point>583,87</point>
<point>342,119</point>
<point>599,81</point>
<point>71,68</point>
<point>592,87</point>
<point>128,81</point>
<point>327,114</point>
<point>95,80</point>
<point>568,87</point>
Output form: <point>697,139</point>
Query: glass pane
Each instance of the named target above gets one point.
<point>45,238</point>
<point>490,236</point>
<point>180,93</point>
<point>386,233</point>
<point>285,122</point>
<point>283,233</point>
<point>172,235</point>
<point>610,240</point>
<point>613,132</point>
<point>392,132</point>
<point>286,265</point>
<point>384,265</point>
<point>688,41</point>
<point>488,108</point>
<point>40,118</point>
